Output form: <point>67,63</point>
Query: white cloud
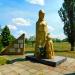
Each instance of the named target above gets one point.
<point>20,32</point>
<point>38,2</point>
<point>12,27</point>
<point>21,22</point>
<point>2,26</point>
<point>50,28</point>
<point>59,36</point>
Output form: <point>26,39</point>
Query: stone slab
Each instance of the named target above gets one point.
<point>52,62</point>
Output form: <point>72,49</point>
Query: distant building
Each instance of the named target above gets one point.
<point>17,47</point>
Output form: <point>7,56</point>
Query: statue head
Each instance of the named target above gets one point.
<point>48,36</point>
<point>41,14</point>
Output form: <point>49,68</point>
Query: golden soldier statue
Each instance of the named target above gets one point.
<point>41,33</point>
<point>44,44</point>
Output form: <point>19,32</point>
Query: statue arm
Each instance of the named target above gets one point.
<point>52,48</point>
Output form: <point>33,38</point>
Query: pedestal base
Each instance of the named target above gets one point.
<point>52,62</point>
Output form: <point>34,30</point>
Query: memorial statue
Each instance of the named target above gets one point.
<point>49,47</point>
<point>44,51</point>
<point>41,33</point>
<point>43,45</point>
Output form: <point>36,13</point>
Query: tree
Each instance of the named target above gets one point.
<point>56,40</point>
<point>0,34</point>
<point>65,40</point>
<point>67,14</point>
<point>26,41</point>
<point>1,46</point>
<point>0,30</point>
<point>32,40</point>
<point>12,38</point>
<point>5,36</point>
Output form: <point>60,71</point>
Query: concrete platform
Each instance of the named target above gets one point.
<point>52,62</point>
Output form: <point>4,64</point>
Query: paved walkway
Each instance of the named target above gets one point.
<point>30,68</point>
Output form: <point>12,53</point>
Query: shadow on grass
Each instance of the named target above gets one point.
<point>29,51</point>
<point>70,74</point>
<point>61,51</point>
<point>15,60</point>
<point>55,51</point>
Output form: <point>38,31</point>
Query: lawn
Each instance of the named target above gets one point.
<point>61,49</point>
<point>11,58</point>
<point>3,60</point>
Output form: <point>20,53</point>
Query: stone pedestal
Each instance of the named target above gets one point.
<point>51,62</point>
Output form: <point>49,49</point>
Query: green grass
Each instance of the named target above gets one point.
<point>62,46</point>
<point>6,58</point>
<point>61,49</point>
<point>66,54</point>
<point>3,60</point>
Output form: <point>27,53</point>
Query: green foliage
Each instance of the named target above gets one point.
<point>6,36</point>
<point>0,30</point>
<point>32,38</point>
<point>65,40</point>
<point>12,38</point>
<point>56,40</point>
<point>26,40</point>
<point>66,13</point>
<point>30,41</point>
<point>1,47</point>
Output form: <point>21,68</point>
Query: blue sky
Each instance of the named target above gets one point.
<point>21,16</point>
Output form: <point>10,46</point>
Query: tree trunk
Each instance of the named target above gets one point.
<point>73,46</point>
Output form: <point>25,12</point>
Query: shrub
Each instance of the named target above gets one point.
<point>1,47</point>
